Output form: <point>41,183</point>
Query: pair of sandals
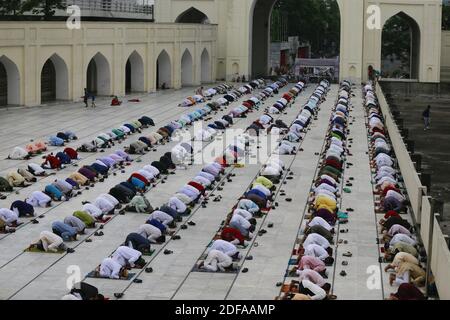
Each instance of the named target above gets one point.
<point>99,233</point>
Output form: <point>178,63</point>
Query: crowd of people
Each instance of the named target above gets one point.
<point>314,252</point>
<point>400,245</point>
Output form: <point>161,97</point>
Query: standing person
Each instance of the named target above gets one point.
<point>93,100</point>
<point>426,117</point>
<point>85,97</point>
<point>199,91</point>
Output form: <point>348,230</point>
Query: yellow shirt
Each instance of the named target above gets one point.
<point>264,181</point>
<point>323,202</point>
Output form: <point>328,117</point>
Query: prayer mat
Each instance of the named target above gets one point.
<point>36,250</point>
<point>93,275</point>
<point>197,269</point>
<point>203,257</point>
<point>148,254</point>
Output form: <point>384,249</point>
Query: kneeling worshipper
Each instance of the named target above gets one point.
<point>152,233</point>
<point>139,204</point>
<point>9,217</point>
<point>83,291</point>
<point>110,268</point>
<point>22,209</point>
<point>19,153</point>
<point>225,247</point>
<point>217,260</point>
<point>136,241</point>
<point>48,241</point>
<point>65,231</point>
<point>128,257</point>
<point>39,199</point>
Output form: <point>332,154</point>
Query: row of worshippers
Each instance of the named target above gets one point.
<point>63,190</point>
<point>107,139</point>
<point>241,111</point>
<point>38,147</point>
<point>202,95</point>
<point>400,244</point>
<point>164,134</point>
<point>293,133</point>
<point>102,141</point>
<point>240,224</point>
<point>315,251</point>
<point>24,177</point>
<point>266,121</point>
<point>73,226</point>
<point>286,100</point>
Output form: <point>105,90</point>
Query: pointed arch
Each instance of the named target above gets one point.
<point>187,74</point>
<point>192,15</point>
<point>98,75</point>
<point>9,82</point>
<point>402,31</point>
<point>164,70</point>
<point>54,79</point>
<point>134,73</point>
<point>205,67</point>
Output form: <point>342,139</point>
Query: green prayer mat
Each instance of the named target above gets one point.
<point>148,254</point>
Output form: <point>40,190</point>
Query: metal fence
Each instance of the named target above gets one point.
<point>115,7</point>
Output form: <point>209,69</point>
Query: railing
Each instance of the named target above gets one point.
<point>435,242</point>
<point>116,8</point>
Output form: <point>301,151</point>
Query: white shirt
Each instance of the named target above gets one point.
<point>50,241</point>
<point>243,213</point>
<point>319,293</point>
<point>103,204</point>
<point>317,251</point>
<point>315,238</point>
<point>92,210</point>
<point>319,221</point>
<point>395,195</point>
<point>8,216</point>
<point>153,170</point>
<point>224,246</point>
<point>238,219</point>
<point>38,199</point>
<point>37,169</point>
<point>400,237</point>
<point>147,231</point>
<point>177,205</point>
<point>124,255</point>
<point>110,268</point>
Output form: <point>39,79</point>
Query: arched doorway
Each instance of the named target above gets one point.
<point>54,80</point>
<point>400,48</point>
<point>221,71</point>
<point>9,82</point>
<point>134,73</point>
<point>98,76</point>
<point>3,85</point>
<point>192,15</point>
<point>206,67</point>
<point>187,74</point>
<point>315,22</point>
<point>163,70</point>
